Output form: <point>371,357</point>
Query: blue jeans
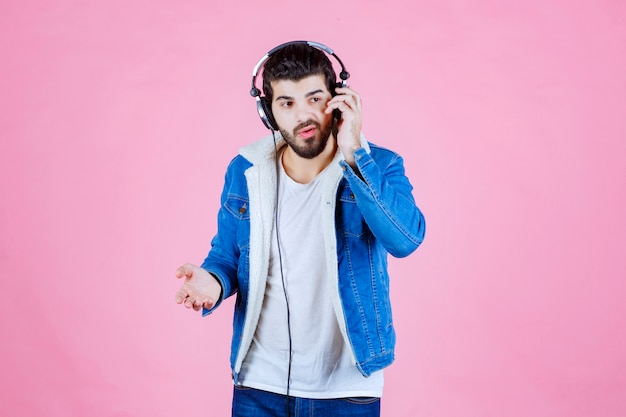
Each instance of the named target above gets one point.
<point>250,402</point>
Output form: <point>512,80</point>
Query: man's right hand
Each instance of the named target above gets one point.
<point>200,288</point>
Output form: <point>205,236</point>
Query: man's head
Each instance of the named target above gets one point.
<point>298,82</point>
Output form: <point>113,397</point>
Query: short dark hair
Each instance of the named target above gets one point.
<point>295,62</point>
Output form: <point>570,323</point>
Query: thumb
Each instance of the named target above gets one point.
<point>185,271</point>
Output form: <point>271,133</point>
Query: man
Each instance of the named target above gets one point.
<point>307,218</point>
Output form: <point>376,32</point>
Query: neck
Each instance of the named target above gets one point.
<point>304,170</point>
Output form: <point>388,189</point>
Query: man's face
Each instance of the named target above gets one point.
<point>298,108</point>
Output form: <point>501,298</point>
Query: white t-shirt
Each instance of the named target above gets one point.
<point>322,363</point>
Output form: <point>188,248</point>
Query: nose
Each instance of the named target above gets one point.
<point>304,111</point>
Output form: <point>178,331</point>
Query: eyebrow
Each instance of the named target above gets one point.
<point>309,94</point>
<point>312,93</point>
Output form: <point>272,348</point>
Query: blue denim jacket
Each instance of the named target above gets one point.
<point>366,216</point>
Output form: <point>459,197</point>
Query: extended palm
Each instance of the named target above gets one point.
<point>200,288</point>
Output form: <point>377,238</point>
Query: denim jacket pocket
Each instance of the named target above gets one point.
<point>348,217</point>
<point>237,206</point>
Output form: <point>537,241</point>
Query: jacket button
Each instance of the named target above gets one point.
<point>242,210</point>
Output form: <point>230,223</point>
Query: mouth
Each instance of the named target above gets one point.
<point>307,132</point>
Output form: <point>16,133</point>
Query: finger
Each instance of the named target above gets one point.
<point>347,91</point>
<point>181,271</point>
<point>197,305</point>
<point>181,295</point>
<point>189,302</point>
<point>340,104</point>
<point>185,271</point>
<point>349,100</point>
<point>344,107</point>
<point>357,99</point>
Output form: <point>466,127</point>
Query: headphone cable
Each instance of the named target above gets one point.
<point>282,276</point>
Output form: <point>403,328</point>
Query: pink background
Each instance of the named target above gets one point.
<point>117,121</point>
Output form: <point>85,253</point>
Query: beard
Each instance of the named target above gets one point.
<point>311,147</point>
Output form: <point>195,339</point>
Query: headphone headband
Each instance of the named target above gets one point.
<point>343,75</point>
<point>264,108</point>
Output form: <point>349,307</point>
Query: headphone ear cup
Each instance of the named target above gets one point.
<point>337,112</point>
<point>264,109</point>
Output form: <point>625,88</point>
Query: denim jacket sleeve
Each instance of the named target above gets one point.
<point>223,258</point>
<point>383,194</point>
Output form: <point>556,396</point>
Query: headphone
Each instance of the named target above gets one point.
<point>263,105</point>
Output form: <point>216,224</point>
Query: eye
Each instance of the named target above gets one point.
<point>286,104</point>
<point>315,99</point>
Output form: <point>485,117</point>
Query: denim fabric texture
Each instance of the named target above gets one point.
<point>371,213</point>
<point>248,402</point>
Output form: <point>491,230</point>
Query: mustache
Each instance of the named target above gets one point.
<point>306,124</point>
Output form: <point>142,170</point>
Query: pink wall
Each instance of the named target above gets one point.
<point>117,121</point>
